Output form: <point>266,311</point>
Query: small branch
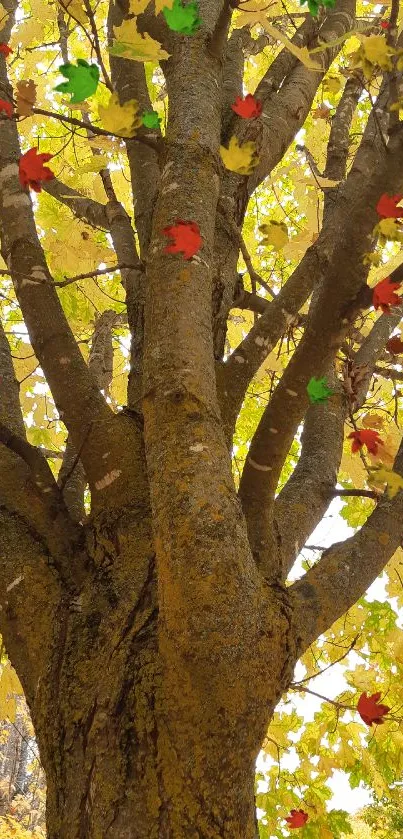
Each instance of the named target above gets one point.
<point>397,375</point>
<point>153,144</point>
<point>68,280</point>
<point>366,493</point>
<point>255,277</point>
<point>328,666</point>
<point>97,46</point>
<point>338,705</point>
<point>66,476</point>
<point>37,463</point>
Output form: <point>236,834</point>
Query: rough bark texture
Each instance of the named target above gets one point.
<point>155,636</point>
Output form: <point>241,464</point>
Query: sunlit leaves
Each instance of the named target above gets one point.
<point>373,54</point>
<point>132,44</point>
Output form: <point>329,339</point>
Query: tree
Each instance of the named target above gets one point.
<point>379,820</point>
<point>145,599</point>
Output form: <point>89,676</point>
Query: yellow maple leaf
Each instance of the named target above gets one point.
<point>381,475</point>
<point>75,10</point>
<point>120,119</point>
<point>94,164</point>
<point>375,421</point>
<point>333,84</point>
<point>388,228</point>
<point>132,44</point>
<point>373,52</point>
<point>241,159</point>
<point>371,259</point>
<point>275,234</point>
<point>377,51</point>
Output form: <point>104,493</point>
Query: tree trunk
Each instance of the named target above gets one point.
<point>142,739</point>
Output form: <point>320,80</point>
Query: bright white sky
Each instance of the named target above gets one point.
<point>331,529</point>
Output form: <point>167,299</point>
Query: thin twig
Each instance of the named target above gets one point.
<point>255,277</point>
<point>96,44</point>
<point>334,702</point>
<point>328,666</point>
<point>153,144</point>
<point>68,280</point>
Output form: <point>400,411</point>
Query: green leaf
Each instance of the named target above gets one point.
<point>183,19</point>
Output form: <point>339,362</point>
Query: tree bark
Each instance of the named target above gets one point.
<point>142,741</point>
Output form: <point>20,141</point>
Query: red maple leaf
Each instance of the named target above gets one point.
<point>384,295</point>
<point>32,171</point>
<point>6,107</point>
<point>365,437</point>
<point>297,818</point>
<point>395,345</point>
<point>5,49</point>
<point>186,236</point>
<point>385,24</point>
<point>387,206</point>
<point>370,710</point>
<point>248,107</point>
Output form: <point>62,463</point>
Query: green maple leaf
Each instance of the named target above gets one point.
<point>318,390</point>
<point>82,80</point>
<point>313,5</point>
<point>151,119</point>
<point>183,19</point>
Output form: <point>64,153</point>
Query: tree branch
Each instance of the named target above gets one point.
<point>50,334</point>
<point>347,569</point>
<point>327,323</point>
<point>85,209</point>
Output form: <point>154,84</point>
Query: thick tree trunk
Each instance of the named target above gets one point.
<point>142,739</point>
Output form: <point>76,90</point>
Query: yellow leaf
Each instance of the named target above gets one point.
<point>375,421</point>
<point>300,52</point>
<point>240,159</point>
<point>93,164</point>
<point>120,119</point>
<point>75,10</point>
<point>371,259</point>
<point>373,52</point>
<point>388,228</point>
<point>377,51</point>
<point>381,475</point>
<point>333,84</point>
<point>132,44</point>
<point>275,234</point>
